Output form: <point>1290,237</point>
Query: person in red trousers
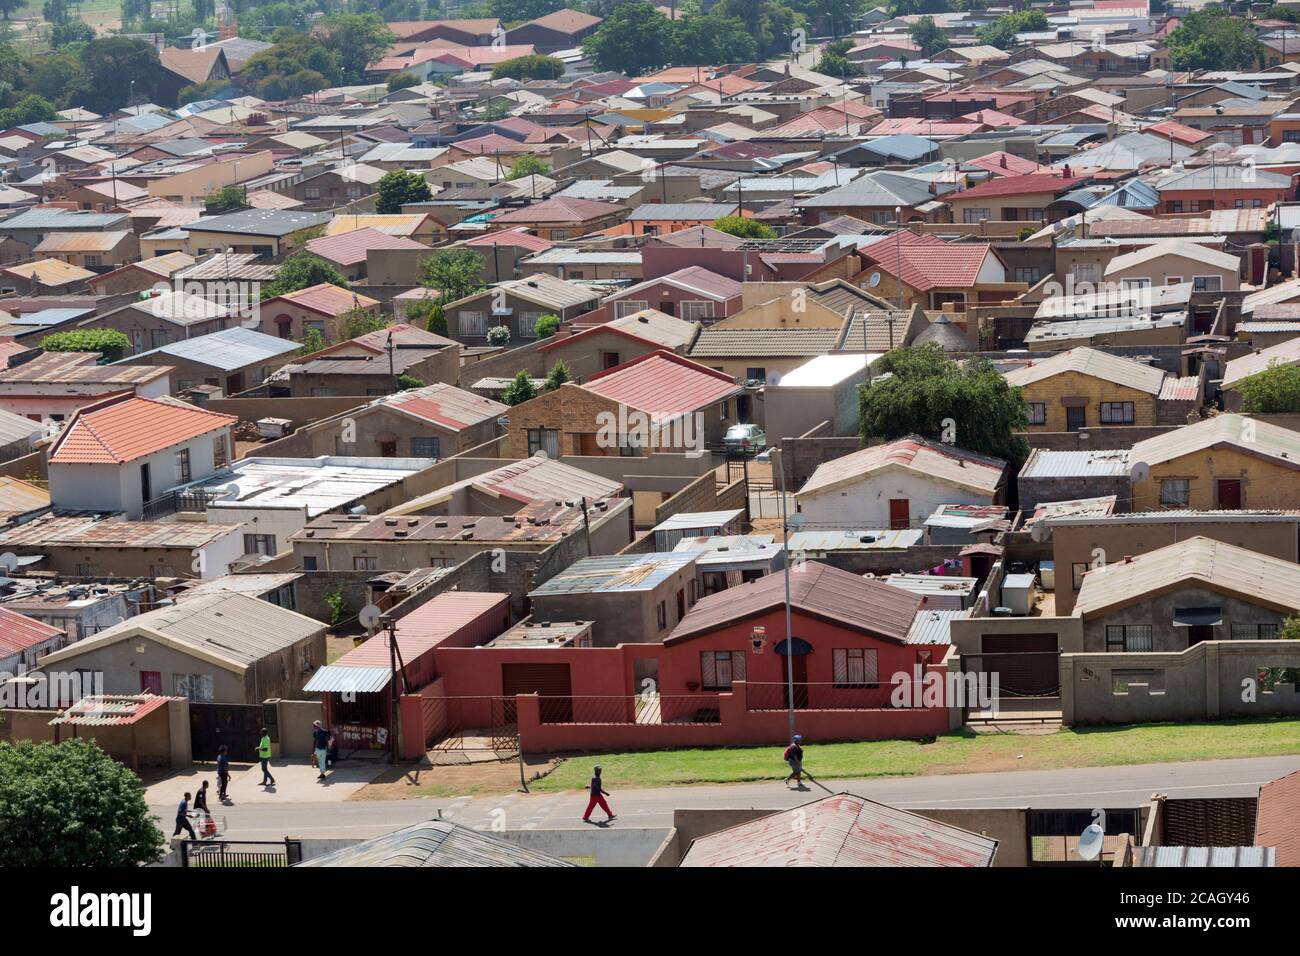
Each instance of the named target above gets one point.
<point>598,795</point>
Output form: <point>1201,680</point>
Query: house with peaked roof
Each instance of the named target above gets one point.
<point>231,359</point>
<point>321,307</point>
<point>562,217</point>
<point>517,304</point>
<point>371,363</point>
<point>1086,387</point>
<point>182,68</point>
<point>23,640</point>
<point>898,484</point>
<point>694,293</point>
<point>1026,198</point>
<point>659,401</point>
<point>603,346</point>
<point>933,273</point>
<point>1173,261</point>
<point>120,453</point>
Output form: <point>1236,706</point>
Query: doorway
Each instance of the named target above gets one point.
<point>151,682</point>
<point>1076,418</point>
<point>900,513</point>
<point>1228,494</point>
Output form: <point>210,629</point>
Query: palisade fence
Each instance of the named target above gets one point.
<point>832,696</point>
<point>646,709</point>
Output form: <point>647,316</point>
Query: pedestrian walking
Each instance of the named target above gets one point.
<point>183,818</point>
<point>320,738</point>
<point>223,771</point>
<point>598,795</point>
<point>794,757</point>
<point>201,798</point>
<point>264,755</point>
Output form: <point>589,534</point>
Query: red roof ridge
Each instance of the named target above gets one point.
<point>662,354</point>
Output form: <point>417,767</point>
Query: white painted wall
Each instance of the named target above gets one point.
<point>865,503</point>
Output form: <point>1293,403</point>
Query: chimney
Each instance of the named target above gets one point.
<point>1128,559</point>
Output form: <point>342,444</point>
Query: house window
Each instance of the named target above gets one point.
<point>1128,637</point>
<point>1142,282</point>
<point>854,667</point>
<point>309,562</point>
<point>661,615</point>
<point>1176,206</point>
<point>183,465</point>
<point>1175,492</point>
<point>627,307</point>
<point>724,409</point>
<point>220,452</point>
<point>1117,413</point>
<point>1037,413</point>
<point>259,544</point>
<point>971,216</point>
<point>1254,632</point>
<point>1027,275</point>
<point>1207,283</point>
<point>193,686</point>
<point>756,374</point>
<point>311,192</point>
<point>718,669</point>
<point>694,310</point>
<point>544,439</point>
<point>1077,571</point>
<point>365,562</point>
<point>528,324</point>
<point>473,322</point>
<point>426,447</point>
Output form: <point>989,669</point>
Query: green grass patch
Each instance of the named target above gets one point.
<point>958,752</point>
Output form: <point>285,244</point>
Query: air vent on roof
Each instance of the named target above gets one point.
<point>399,533</point>
<point>440,524</point>
<point>390,522</point>
<point>466,535</point>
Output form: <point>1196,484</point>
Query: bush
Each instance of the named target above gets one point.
<point>558,375</point>
<point>520,389</point>
<point>338,607</point>
<point>402,81</point>
<point>546,326</point>
<point>1276,390</point>
<point>498,335</point>
<point>744,228</point>
<point>533,66</point>
<point>111,344</point>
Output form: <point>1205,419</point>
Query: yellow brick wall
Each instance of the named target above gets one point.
<point>1264,484</point>
<point>1051,390</point>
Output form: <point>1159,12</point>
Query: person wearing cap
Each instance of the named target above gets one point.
<point>320,739</point>
<point>598,795</point>
<point>794,757</point>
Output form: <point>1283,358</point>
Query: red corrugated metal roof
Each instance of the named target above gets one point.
<point>1019,185</point>
<point>18,632</point>
<point>447,405</point>
<point>125,428</point>
<point>402,333</point>
<point>926,262</point>
<point>425,628</point>
<point>818,589</point>
<point>519,236</point>
<point>843,830</point>
<point>561,209</point>
<point>327,299</point>
<point>1177,131</point>
<point>110,710</point>
<point>663,384</point>
<point>349,248</point>
<point>1003,163</point>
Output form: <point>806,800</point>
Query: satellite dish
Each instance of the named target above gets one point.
<point>369,617</point>
<point>873,280</point>
<point>541,453</point>
<point>1091,841</point>
<point>9,562</point>
<point>1139,471</point>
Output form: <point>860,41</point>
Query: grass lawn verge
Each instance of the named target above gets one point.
<point>958,752</point>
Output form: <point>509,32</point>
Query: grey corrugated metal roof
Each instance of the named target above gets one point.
<point>630,572</point>
<point>348,679</point>
<point>1202,856</point>
<point>1069,464</point>
<point>62,219</point>
<point>931,626</point>
<point>435,843</point>
<point>851,540</point>
<point>228,349</point>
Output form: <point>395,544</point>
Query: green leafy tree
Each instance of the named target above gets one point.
<point>357,40</point>
<point>207,90</point>
<point>428,313</point>
<point>357,322</point>
<point>531,66</point>
<point>453,273</point>
<point>771,24</point>
<point>1001,33</point>
<point>313,340</point>
<point>928,37</point>
<point>301,271</point>
<point>1212,39</point>
<point>1276,390</point>
<point>744,228</point>
<point>1290,629</point>
<point>293,58</point>
<point>398,187</point>
<point>634,39</point>
<point>557,376</point>
<point>71,805</point>
<point>511,10</point>
<point>402,81</point>
<point>225,199</point>
<point>407,382</point>
<point>835,60</point>
<point>110,343</point>
<point>528,165</point>
<point>498,335</point>
<point>57,11</point>
<point>30,109</point>
<point>710,40</point>
<point>110,64</point>
<point>9,6</point>
<point>546,325</point>
<point>497,110</point>
<point>69,32</point>
<point>520,389</point>
<point>927,387</point>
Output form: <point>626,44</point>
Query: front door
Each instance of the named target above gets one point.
<point>151,682</point>
<point>900,513</point>
<point>146,484</point>
<point>608,359</point>
<point>1229,494</point>
<point>1201,632</point>
<point>800,670</point>
<point>1075,418</point>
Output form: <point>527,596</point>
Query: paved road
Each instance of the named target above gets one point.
<point>1077,788</point>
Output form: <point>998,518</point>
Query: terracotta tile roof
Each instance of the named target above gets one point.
<point>663,384</point>
<point>927,262</point>
<point>1277,820</point>
<point>18,633</point>
<point>349,248</point>
<point>124,429</point>
<point>327,299</point>
<point>1018,185</point>
<point>819,590</point>
<point>566,21</point>
<point>195,65</point>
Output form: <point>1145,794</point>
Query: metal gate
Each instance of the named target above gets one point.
<point>550,682</point>
<point>1029,680</point>
<point>235,725</point>
<point>240,853</point>
<point>1213,821</point>
<point>1053,835</point>
<point>470,725</point>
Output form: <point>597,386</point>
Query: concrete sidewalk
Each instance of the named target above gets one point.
<point>295,782</point>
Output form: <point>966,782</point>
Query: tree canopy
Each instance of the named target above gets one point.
<point>928,36</point>
<point>302,270</point>
<point>110,343</point>
<point>71,805</point>
<point>1212,39</point>
<point>1275,390</point>
<point>1001,33</point>
<point>531,66</point>
<point>927,388</point>
<point>744,228</point>
<point>520,389</point>
<point>454,273</point>
<point>398,187</point>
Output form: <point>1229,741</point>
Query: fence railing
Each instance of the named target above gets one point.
<point>645,709</point>
<point>171,502</point>
<point>240,853</point>
<point>832,696</point>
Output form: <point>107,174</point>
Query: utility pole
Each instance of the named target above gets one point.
<point>789,637</point>
<point>392,372</point>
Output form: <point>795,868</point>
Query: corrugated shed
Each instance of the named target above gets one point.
<point>1186,389</point>
<point>348,679</point>
<point>435,843</point>
<point>228,349</point>
<point>610,573</point>
<point>818,589</point>
<point>843,830</point>
<point>1042,463</point>
<point>447,406</point>
<point>110,710</point>
<point>428,626</point>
